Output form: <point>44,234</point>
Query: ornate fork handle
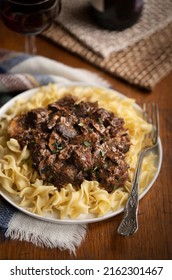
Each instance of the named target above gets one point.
<point>129,224</point>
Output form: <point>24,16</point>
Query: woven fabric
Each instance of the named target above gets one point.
<point>75,18</point>
<point>144,64</point>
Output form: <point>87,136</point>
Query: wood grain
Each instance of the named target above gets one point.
<point>153,240</point>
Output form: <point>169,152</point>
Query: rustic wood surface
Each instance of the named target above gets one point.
<point>154,238</point>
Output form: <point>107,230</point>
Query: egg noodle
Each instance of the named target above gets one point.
<point>21,181</point>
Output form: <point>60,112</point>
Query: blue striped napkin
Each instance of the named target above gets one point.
<point>19,72</point>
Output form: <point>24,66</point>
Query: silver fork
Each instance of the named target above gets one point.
<point>129,224</point>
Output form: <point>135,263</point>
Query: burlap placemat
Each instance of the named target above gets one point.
<point>75,17</point>
<point>143,63</point>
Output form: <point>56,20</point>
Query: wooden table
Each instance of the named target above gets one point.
<point>154,238</point>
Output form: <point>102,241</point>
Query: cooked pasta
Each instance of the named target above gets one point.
<point>20,180</point>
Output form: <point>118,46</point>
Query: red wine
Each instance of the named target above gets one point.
<point>116,14</point>
<point>29,17</point>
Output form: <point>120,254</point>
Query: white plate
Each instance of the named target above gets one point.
<point>83,218</point>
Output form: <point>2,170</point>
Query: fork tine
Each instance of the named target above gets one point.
<point>145,112</point>
<point>151,115</point>
<point>155,123</point>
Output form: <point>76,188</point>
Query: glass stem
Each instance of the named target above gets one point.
<point>30,45</point>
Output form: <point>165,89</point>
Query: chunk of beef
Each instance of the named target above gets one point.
<point>84,109</point>
<point>82,157</point>
<point>64,175</point>
<point>53,120</point>
<point>102,115</point>
<point>64,104</point>
<point>36,117</point>
<point>17,126</point>
<point>66,130</point>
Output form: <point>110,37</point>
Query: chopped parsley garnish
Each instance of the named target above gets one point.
<point>102,153</point>
<point>87,144</point>
<point>58,146</point>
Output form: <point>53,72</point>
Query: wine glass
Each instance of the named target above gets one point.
<point>29,17</point>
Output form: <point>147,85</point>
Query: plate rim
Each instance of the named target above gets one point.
<point>28,93</point>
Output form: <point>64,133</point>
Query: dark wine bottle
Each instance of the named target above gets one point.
<point>116,14</point>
